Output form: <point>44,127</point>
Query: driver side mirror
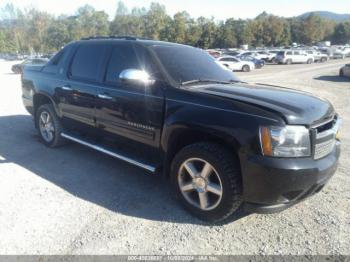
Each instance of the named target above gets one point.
<point>136,76</point>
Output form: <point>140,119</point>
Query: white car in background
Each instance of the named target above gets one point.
<point>235,64</point>
<point>345,71</point>
<point>293,56</point>
<point>318,56</point>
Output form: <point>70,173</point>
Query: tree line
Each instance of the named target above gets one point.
<point>31,30</point>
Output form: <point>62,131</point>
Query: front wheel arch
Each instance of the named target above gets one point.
<point>180,138</point>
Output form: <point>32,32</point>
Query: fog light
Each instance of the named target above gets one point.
<point>337,136</point>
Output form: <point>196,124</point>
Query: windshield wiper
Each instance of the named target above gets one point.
<point>194,81</point>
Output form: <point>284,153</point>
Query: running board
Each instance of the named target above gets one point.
<point>108,152</point>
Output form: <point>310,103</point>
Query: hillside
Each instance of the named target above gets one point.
<point>329,15</point>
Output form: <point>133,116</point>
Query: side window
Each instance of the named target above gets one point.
<point>52,65</point>
<point>289,53</point>
<point>122,57</point>
<point>224,59</point>
<point>58,57</point>
<point>296,53</point>
<point>87,62</point>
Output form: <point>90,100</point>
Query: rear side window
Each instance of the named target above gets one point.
<point>87,62</point>
<point>58,57</point>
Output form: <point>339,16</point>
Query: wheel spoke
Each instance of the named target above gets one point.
<point>47,119</point>
<point>42,118</point>
<point>206,171</point>
<point>191,169</point>
<point>49,135</point>
<point>50,128</point>
<point>203,200</point>
<point>214,188</point>
<point>187,187</point>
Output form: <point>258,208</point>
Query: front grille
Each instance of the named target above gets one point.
<point>324,148</point>
<point>325,137</point>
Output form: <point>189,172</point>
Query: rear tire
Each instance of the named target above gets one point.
<point>246,68</point>
<point>49,126</point>
<point>341,73</point>
<point>221,186</point>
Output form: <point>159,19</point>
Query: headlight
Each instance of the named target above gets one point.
<point>288,141</point>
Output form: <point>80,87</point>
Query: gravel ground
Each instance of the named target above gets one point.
<point>73,200</point>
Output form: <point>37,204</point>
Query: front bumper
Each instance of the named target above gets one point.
<point>273,184</point>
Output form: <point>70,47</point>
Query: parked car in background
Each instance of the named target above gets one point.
<point>213,53</point>
<point>236,64</point>
<point>258,63</point>
<point>231,53</point>
<point>18,68</point>
<point>345,71</point>
<point>318,56</point>
<point>338,53</point>
<point>272,56</point>
<point>293,56</point>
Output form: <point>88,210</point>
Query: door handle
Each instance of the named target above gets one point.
<point>104,96</point>
<point>67,88</point>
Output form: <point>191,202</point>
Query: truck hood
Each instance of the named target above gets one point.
<point>296,107</point>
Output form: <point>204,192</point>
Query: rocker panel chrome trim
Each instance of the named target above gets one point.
<point>108,152</point>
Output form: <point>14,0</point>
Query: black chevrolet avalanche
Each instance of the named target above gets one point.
<point>174,111</point>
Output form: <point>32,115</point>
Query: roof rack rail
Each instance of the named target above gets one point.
<point>110,37</point>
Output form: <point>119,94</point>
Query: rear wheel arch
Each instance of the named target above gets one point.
<point>40,99</point>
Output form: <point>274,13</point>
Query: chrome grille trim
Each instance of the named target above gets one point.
<point>326,140</point>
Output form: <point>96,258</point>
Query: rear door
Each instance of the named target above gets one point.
<point>77,93</point>
<point>130,111</point>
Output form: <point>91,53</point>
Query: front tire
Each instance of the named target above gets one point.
<point>207,180</point>
<point>49,126</point>
<point>289,61</point>
<point>309,61</point>
<point>246,68</point>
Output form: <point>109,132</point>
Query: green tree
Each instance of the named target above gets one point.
<point>312,29</point>
<point>226,37</point>
<point>57,35</point>
<point>342,33</point>
<point>155,21</point>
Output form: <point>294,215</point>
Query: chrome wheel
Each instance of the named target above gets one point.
<point>200,184</point>
<point>47,129</point>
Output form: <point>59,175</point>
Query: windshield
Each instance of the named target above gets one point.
<point>185,63</point>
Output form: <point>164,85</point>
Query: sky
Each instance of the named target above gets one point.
<point>220,9</point>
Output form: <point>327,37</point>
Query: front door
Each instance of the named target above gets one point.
<point>132,112</point>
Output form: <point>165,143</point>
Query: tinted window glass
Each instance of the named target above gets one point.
<point>228,59</point>
<point>87,62</point>
<point>184,63</point>
<point>122,57</point>
<point>58,57</point>
<point>289,53</point>
<point>296,53</point>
